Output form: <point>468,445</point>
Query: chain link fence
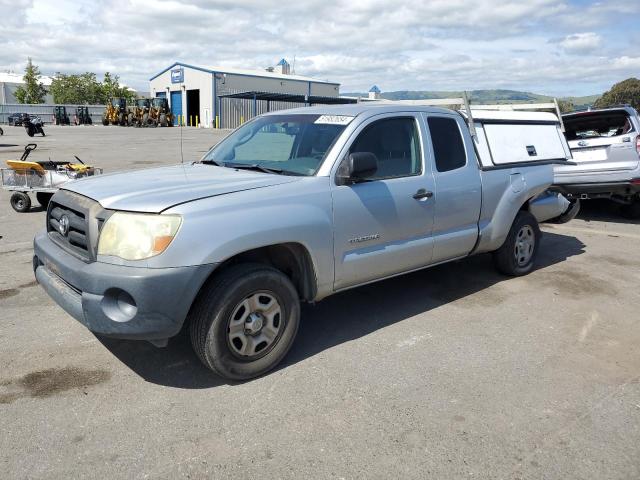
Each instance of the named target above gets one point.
<point>45,111</point>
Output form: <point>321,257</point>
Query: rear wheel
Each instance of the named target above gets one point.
<point>244,321</point>
<point>43,198</point>
<point>105,121</point>
<point>519,251</point>
<point>631,211</point>
<point>20,202</point>
<point>31,131</point>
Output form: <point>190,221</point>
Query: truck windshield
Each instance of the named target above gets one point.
<point>293,144</point>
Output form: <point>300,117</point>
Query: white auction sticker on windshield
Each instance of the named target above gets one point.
<point>334,119</point>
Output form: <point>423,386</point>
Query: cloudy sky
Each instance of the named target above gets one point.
<point>556,47</point>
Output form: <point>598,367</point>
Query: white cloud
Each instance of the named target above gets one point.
<point>581,42</point>
<point>427,45</point>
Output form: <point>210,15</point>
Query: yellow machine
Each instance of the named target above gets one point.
<point>139,113</point>
<point>42,178</point>
<point>160,114</point>
<point>116,112</point>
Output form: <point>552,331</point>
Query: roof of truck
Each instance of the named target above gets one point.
<point>390,107</point>
<point>354,109</point>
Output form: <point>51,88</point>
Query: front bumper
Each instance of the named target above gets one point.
<point>114,300</point>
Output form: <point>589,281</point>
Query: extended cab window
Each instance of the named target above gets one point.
<point>395,143</point>
<point>448,148</point>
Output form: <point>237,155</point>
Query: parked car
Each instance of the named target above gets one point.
<point>292,207</point>
<point>16,119</point>
<point>606,150</point>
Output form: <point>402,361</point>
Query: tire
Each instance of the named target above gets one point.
<point>20,202</point>
<point>517,255</point>
<point>30,131</point>
<point>43,198</point>
<point>163,120</point>
<point>89,121</point>
<point>145,119</point>
<point>122,120</point>
<point>105,121</point>
<point>233,293</point>
<point>631,211</point>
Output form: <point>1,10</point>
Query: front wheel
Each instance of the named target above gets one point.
<point>517,254</point>
<point>20,202</point>
<point>244,321</point>
<point>43,198</point>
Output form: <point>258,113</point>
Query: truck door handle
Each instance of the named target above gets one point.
<point>422,193</point>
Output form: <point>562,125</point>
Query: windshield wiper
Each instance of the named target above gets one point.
<point>260,168</point>
<point>212,162</point>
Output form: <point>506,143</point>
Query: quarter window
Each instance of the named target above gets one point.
<point>448,148</point>
<point>395,142</point>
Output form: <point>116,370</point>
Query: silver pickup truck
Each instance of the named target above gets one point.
<point>292,207</point>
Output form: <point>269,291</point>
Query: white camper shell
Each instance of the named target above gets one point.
<point>510,134</point>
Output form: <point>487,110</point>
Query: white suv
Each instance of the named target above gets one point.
<point>605,145</point>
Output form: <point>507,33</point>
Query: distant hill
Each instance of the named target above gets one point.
<point>483,96</point>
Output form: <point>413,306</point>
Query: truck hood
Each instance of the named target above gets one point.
<point>156,189</point>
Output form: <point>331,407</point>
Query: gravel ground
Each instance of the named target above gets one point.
<point>453,372</point>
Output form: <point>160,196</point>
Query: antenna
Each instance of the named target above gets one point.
<point>181,121</point>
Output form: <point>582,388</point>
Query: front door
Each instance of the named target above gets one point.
<point>383,225</point>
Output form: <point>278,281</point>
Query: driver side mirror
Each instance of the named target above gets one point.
<point>357,167</point>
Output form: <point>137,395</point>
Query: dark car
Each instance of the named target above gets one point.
<point>17,118</point>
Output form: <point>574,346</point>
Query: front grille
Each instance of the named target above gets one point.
<point>75,227</point>
<point>72,223</point>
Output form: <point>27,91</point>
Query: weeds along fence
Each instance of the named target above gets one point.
<point>45,111</point>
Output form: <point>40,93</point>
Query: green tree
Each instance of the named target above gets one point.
<point>111,89</point>
<point>627,91</point>
<point>566,106</point>
<point>77,89</point>
<point>33,91</point>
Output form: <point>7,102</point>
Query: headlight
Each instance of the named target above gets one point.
<point>135,236</point>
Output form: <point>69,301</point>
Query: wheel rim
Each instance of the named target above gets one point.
<point>255,326</point>
<point>525,244</point>
<point>20,203</point>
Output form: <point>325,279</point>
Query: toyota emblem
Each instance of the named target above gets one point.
<point>63,225</point>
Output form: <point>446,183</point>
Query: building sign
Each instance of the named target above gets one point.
<point>177,75</point>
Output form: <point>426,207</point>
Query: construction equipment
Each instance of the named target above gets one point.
<point>60,116</point>
<point>42,178</point>
<point>116,112</point>
<point>139,113</point>
<point>160,114</point>
<point>82,116</point>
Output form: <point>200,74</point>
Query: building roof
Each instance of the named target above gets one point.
<point>283,62</point>
<point>374,89</point>
<point>10,77</point>
<point>245,72</point>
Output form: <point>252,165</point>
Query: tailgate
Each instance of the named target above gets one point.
<point>607,153</point>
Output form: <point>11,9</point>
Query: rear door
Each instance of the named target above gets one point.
<point>458,193</point>
<point>602,141</point>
